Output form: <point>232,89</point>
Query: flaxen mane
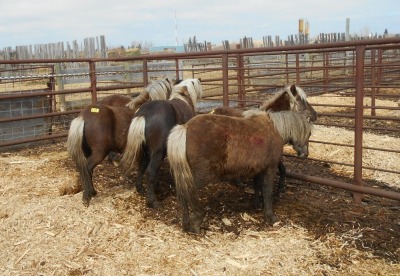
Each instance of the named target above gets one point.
<point>286,124</point>
<point>288,127</point>
<point>193,87</point>
<point>157,90</point>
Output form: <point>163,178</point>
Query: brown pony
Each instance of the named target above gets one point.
<point>291,97</point>
<point>101,129</point>
<point>148,133</point>
<point>222,153</point>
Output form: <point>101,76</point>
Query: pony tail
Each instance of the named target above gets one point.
<point>74,142</point>
<point>134,141</point>
<point>180,168</point>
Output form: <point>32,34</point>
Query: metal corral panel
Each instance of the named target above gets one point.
<point>21,107</point>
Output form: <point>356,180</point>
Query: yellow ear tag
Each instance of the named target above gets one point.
<point>94,110</point>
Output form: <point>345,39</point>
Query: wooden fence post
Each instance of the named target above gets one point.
<point>60,86</point>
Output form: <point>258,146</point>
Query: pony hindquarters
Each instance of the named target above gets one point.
<point>98,130</point>
<point>76,151</point>
<point>146,145</point>
<point>159,117</point>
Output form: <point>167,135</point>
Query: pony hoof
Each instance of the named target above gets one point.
<point>271,219</point>
<point>238,183</point>
<point>154,205</point>
<point>191,229</point>
<point>86,202</point>
<point>140,190</point>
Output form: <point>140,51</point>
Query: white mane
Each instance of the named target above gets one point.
<point>194,88</point>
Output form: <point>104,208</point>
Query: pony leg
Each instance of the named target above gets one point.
<point>143,163</point>
<point>197,218</point>
<point>86,174</point>
<point>185,217</point>
<point>237,182</point>
<point>267,190</point>
<point>87,177</point>
<point>152,181</point>
<point>192,223</point>
<point>257,186</point>
<point>282,175</point>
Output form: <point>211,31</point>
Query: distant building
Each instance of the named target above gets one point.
<point>167,49</point>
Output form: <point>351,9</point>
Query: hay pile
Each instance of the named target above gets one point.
<point>43,233</point>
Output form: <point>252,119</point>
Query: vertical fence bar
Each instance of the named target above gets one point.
<point>240,79</point>
<point>225,87</point>
<point>326,75</point>
<point>358,128</point>
<point>177,69</point>
<point>297,68</point>
<point>379,77</point>
<point>93,80</point>
<point>145,73</point>
<point>60,85</point>
<point>52,86</point>
<point>373,82</point>
<point>287,68</point>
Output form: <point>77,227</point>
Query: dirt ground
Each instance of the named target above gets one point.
<point>320,230</point>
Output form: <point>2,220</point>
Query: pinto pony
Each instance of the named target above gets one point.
<point>101,129</point>
<point>148,133</point>
<point>197,159</point>
<point>291,97</point>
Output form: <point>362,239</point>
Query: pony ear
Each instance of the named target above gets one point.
<point>293,90</point>
<point>184,90</point>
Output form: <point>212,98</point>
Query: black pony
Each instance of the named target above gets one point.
<point>149,130</point>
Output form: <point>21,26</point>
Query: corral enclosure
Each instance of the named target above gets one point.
<point>354,87</point>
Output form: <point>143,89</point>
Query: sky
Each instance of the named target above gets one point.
<point>165,22</point>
